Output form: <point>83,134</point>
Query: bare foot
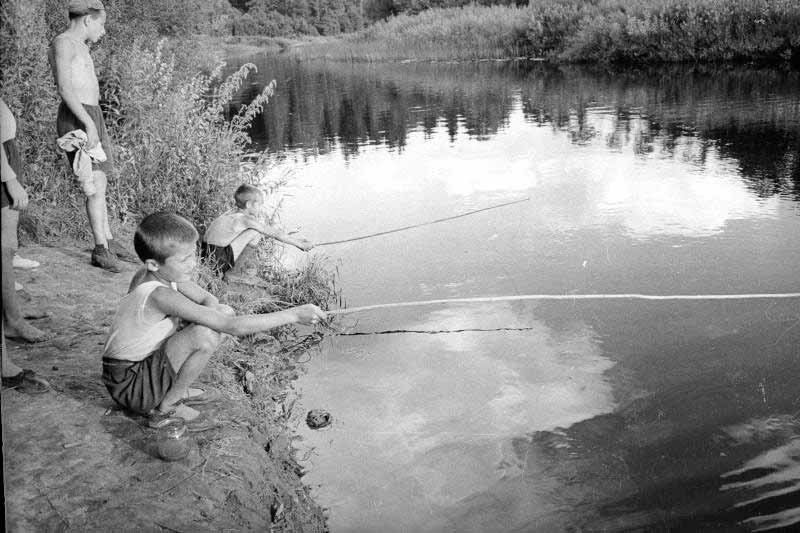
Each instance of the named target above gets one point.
<point>35,314</point>
<point>185,412</point>
<point>25,331</point>
<point>10,369</point>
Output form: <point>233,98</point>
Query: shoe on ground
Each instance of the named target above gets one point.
<point>25,263</point>
<point>121,252</point>
<point>105,259</point>
<point>26,382</point>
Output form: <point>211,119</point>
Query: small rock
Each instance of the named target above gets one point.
<point>249,382</point>
<point>318,419</point>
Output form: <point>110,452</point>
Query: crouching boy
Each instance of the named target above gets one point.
<point>233,236</point>
<point>149,361</point>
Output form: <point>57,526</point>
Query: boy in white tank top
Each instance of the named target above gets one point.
<point>149,363</point>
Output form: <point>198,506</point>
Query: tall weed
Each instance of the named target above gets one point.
<point>177,150</point>
<point>470,32</point>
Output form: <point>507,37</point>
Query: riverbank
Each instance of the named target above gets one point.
<point>72,460</point>
<point>570,31</point>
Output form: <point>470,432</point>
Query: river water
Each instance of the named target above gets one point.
<point>548,415</point>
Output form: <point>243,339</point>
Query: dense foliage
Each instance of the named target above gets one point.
<point>289,18</point>
<point>299,17</point>
<point>634,31</point>
<point>163,105</point>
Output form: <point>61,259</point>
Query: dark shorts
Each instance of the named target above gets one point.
<point>218,258</point>
<point>15,162</point>
<point>139,386</point>
<point>67,122</point>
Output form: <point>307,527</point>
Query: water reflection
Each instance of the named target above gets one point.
<point>431,426</point>
<point>748,115</point>
<point>768,484</point>
<point>599,415</point>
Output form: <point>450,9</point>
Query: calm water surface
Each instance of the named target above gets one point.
<point>595,415</point>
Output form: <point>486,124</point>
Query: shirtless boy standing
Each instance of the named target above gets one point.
<point>75,78</point>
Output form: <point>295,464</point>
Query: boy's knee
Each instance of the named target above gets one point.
<point>206,339</point>
<point>100,181</point>
<point>95,186</point>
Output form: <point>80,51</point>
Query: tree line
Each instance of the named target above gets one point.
<point>276,18</point>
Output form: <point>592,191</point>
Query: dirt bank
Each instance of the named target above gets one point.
<point>73,461</point>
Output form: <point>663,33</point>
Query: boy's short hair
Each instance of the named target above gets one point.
<point>244,194</point>
<point>158,233</point>
<point>80,8</point>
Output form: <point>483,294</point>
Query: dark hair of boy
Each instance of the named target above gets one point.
<point>81,8</point>
<point>244,194</point>
<point>94,13</point>
<point>158,233</point>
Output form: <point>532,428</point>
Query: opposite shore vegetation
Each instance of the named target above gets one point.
<point>167,104</point>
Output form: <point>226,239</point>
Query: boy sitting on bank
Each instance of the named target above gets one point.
<point>149,362</point>
<point>233,236</point>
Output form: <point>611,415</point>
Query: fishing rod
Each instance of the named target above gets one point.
<point>423,223</point>
<point>629,296</point>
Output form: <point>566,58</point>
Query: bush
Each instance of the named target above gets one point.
<point>633,31</point>
<point>174,147</point>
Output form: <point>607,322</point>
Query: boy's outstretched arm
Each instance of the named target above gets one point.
<point>275,233</point>
<point>65,54</point>
<point>199,295</point>
<point>196,293</point>
<point>173,303</point>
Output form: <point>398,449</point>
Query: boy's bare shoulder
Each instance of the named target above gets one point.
<point>249,219</point>
<point>62,44</point>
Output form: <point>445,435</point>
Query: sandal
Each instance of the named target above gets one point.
<point>206,396</point>
<point>35,314</point>
<point>157,419</point>
<point>26,382</point>
<point>195,421</point>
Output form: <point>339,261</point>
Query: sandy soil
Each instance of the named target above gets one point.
<point>73,461</point>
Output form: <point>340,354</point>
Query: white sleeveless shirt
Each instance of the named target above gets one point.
<point>132,337</point>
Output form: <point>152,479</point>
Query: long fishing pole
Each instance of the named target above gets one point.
<point>423,223</point>
<point>631,296</point>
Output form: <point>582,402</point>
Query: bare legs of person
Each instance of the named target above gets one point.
<point>17,378</point>
<point>244,250</point>
<point>188,352</point>
<point>9,368</point>
<point>97,212</point>
<point>14,323</point>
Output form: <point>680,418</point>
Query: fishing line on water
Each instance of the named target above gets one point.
<point>423,223</point>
